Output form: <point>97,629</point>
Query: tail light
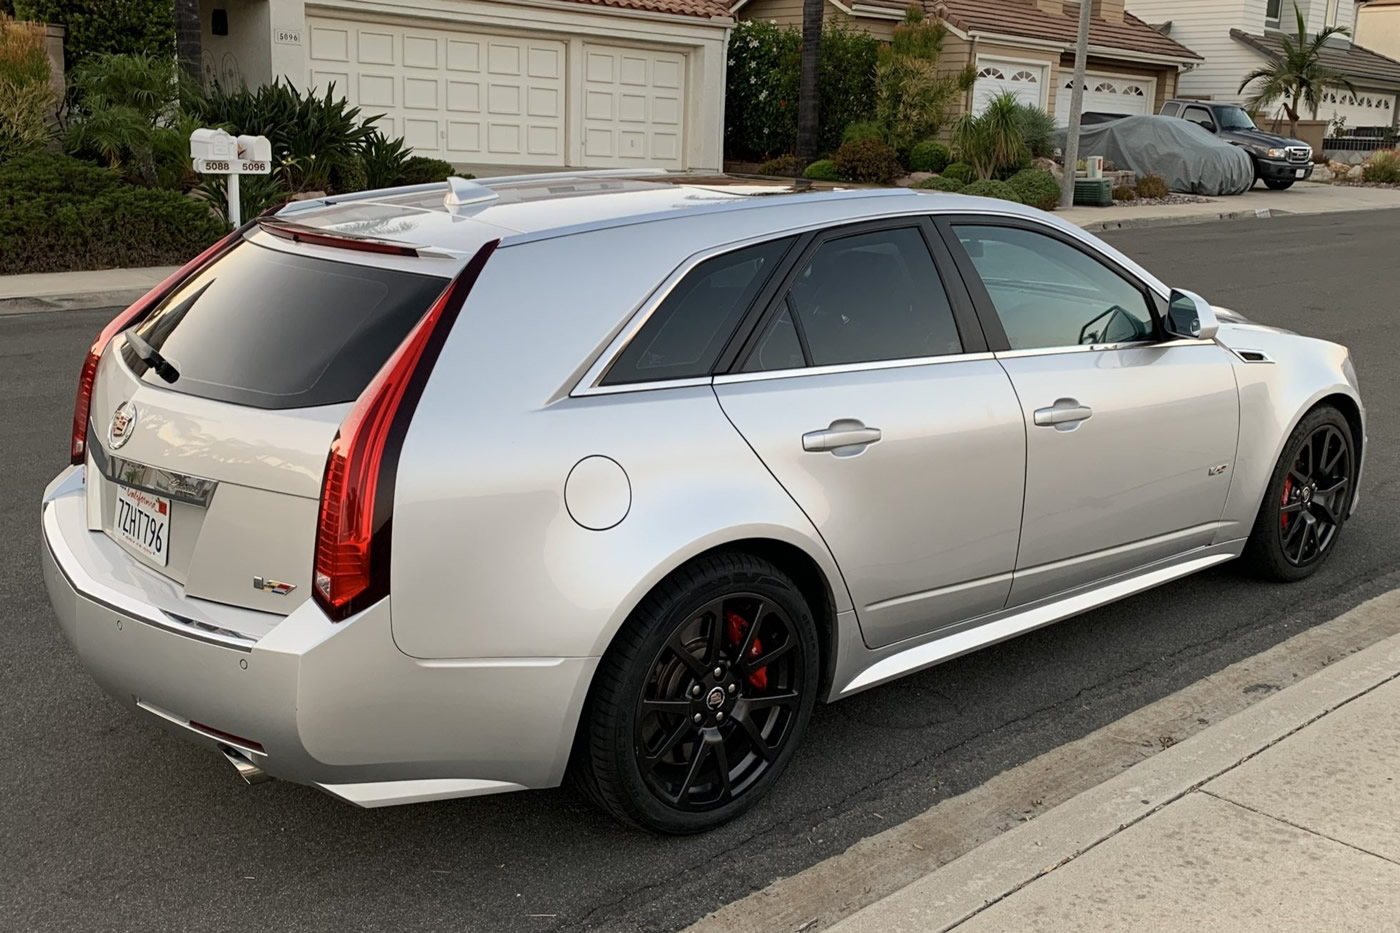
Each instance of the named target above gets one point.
<point>132,315</point>
<point>357,490</point>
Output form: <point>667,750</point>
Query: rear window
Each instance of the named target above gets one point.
<point>273,330</point>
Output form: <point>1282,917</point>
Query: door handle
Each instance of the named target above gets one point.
<point>843,433</point>
<point>1065,413</point>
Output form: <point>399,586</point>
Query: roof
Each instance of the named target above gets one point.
<point>1022,18</point>
<point>717,9</point>
<point>1357,63</point>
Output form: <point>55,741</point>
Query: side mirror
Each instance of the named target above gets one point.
<point>1190,316</point>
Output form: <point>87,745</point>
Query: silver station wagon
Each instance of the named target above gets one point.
<point>450,490</point>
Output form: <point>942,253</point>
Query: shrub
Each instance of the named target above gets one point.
<point>23,60</point>
<point>104,27</point>
<point>349,176</point>
<point>929,156</point>
<point>940,183</point>
<point>1036,187</point>
<point>58,213</point>
<point>913,98</point>
<point>845,81</point>
<point>1038,130</point>
<point>865,129</point>
<point>822,170</point>
<point>786,165</point>
<point>1125,193</point>
<point>26,98</point>
<point>992,139</point>
<point>1152,186</point>
<point>256,193</point>
<point>1383,167</point>
<point>991,188</point>
<point>867,160</point>
<point>384,160</point>
<point>421,170</point>
<point>960,172</point>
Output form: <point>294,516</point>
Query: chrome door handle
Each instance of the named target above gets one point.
<point>1065,411</point>
<point>846,432</point>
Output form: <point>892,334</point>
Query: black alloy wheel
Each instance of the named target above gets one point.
<point>699,703</point>
<point>1307,501</point>
<point>1316,495</point>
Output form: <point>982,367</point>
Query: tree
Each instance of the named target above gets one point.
<point>808,91</point>
<point>994,139</point>
<point>913,98</point>
<point>187,41</point>
<point>1297,75</point>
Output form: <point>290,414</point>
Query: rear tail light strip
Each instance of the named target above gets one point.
<point>351,567</point>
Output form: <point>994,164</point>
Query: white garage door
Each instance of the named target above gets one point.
<point>1364,108</point>
<point>632,106</point>
<point>1025,82</point>
<point>460,96</point>
<point>1104,93</point>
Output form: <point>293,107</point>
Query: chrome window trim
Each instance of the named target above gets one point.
<point>872,365</point>
<point>1100,348</point>
<point>689,382</point>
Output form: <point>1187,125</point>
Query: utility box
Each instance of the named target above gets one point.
<point>213,144</point>
<point>1093,192</point>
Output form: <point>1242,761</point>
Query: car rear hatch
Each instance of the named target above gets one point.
<point>211,419</point>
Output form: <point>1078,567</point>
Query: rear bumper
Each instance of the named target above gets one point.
<point>336,705</point>
<point>1279,171</point>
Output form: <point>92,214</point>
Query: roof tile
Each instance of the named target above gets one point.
<point>1024,18</point>
<point>1354,61</point>
<point>705,8</point>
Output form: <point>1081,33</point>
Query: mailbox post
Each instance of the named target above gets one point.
<point>215,152</point>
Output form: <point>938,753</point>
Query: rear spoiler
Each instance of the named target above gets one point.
<point>318,236</point>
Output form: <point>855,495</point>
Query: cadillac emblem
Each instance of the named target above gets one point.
<point>122,426</point>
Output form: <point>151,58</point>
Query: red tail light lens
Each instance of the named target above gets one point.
<point>132,315</point>
<point>357,490</point>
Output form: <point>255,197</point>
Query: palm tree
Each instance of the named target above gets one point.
<point>808,119</point>
<point>1297,75</point>
<point>187,42</point>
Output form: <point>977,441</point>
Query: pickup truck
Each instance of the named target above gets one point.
<point>1278,160</point>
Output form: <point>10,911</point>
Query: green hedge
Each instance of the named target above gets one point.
<point>991,188</point>
<point>1036,187</point>
<point>105,26</point>
<point>58,214</point>
<point>940,183</point>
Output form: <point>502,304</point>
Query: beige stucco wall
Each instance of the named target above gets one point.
<point>1378,29</point>
<point>244,56</point>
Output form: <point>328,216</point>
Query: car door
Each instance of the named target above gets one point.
<point>1129,435</point>
<point>867,390</point>
<point>1201,117</point>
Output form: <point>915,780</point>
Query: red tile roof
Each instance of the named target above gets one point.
<point>705,8</point>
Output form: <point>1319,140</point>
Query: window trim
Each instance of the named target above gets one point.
<point>1215,124</point>
<point>965,318</point>
<point>997,340</point>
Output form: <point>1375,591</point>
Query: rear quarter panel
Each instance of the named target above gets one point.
<point>487,560</point>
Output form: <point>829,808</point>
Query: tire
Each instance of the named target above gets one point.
<point>1279,184</point>
<point>1305,506</point>
<point>638,743</point>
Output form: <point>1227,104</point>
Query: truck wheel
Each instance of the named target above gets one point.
<point>1279,184</point>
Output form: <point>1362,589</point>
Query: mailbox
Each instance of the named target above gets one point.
<point>212,144</point>
<point>254,149</point>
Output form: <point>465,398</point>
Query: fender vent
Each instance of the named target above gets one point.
<point>1252,356</point>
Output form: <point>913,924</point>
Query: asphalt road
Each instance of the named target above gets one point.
<point>107,823</point>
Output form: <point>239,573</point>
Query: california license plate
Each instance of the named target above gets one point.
<point>1301,173</point>
<point>142,521</point>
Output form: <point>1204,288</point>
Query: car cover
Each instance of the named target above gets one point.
<point>1190,158</point>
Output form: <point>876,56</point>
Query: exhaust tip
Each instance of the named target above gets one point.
<point>247,770</point>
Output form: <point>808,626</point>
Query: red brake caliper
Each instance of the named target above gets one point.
<point>1287,490</point>
<point>736,626</point>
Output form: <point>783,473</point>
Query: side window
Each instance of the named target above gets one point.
<point>686,333</point>
<point>864,298</point>
<point>1201,117</point>
<point>1050,294</point>
<point>1171,109</point>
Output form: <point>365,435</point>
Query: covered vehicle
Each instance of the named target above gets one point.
<point>1188,157</point>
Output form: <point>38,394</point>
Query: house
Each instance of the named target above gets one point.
<point>1026,47</point>
<point>1378,27</point>
<point>548,83</point>
<point>1238,36</point>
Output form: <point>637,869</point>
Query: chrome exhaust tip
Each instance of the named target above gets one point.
<point>247,770</point>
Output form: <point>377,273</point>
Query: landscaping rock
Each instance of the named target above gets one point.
<point>1051,166</point>
<point>1356,173</point>
<point>913,178</point>
<point>1339,169</point>
<point>1322,173</point>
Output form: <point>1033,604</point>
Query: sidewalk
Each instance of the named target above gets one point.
<point>1285,816</point>
<point>52,291</point>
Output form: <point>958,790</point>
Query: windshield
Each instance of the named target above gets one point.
<point>1234,118</point>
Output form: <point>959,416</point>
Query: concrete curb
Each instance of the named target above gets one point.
<point>83,302</point>
<point>1182,220</point>
<point>968,885</point>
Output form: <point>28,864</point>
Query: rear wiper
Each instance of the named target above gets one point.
<point>151,357</point>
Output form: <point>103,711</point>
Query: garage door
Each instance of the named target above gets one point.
<point>460,96</point>
<point>632,106</point>
<point>1025,82</point>
<point>1364,108</point>
<point>1118,94</point>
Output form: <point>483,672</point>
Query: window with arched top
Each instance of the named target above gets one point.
<point>991,73</point>
<point>1026,76</point>
<point>1134,90</point>
<point>1106,88</point>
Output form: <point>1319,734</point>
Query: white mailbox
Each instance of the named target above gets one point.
<point>254,149</point>
<point>213,144</point>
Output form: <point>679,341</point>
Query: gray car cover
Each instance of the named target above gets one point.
<point>1191,159</point>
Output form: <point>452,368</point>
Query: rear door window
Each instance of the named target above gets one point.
<point>274,330</point>
<point>685,335</point>
<point>1171,109</point>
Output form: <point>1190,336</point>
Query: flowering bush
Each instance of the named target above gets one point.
<point>761,97</point>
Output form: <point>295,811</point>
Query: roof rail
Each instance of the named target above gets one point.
<point>296,206</point>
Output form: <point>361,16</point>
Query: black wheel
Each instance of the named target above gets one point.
<point>1307,501</point>
<point>1279,184</point>
<point>700,702</point>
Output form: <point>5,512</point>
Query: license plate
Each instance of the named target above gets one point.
<point>1301,173</point>
<point>143,522</point>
